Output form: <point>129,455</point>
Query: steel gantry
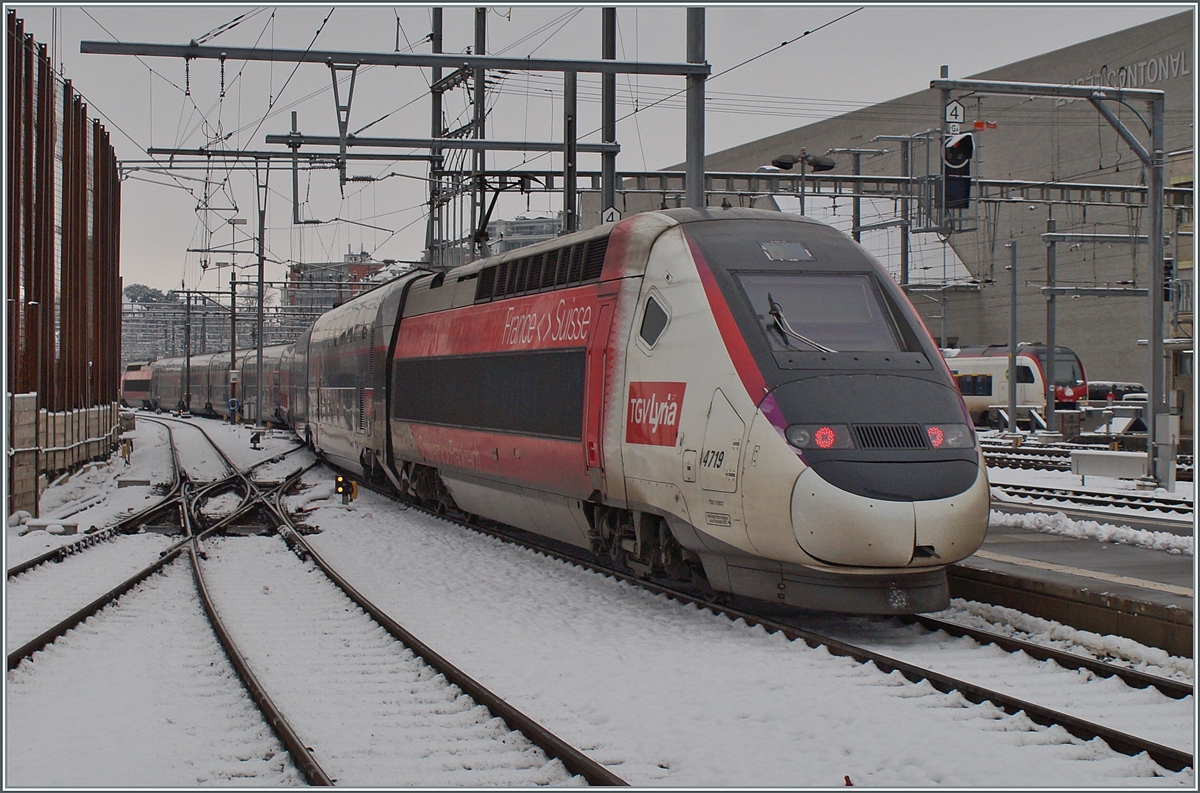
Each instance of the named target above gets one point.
<point>475,66</point>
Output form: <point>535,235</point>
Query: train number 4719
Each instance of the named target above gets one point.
<point>713,459</point>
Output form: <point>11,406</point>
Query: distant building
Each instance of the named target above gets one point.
<point>323,285</point>
<point>507,235</point>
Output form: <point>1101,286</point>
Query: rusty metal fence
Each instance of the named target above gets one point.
<point>63,286</point>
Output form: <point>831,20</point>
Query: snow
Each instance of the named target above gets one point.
<point>663,694</point>
<point>1140,711</point>
<point>673,695</point>
<point>1060,524</point>
<point>39,599</point>
<point>1114,649</point>
<point>139,695</point>
<point>93,497</point>
<point>396,719</point>
<point>1098,484</point>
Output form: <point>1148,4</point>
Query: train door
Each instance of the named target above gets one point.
<point>1030,385</point>
<point>595,390</point>
<point>315,406</point>
<point>722,450</point>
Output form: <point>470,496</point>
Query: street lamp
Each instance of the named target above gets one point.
<point>814,161</point>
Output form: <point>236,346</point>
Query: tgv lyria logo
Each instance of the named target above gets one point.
<point>653,414</point>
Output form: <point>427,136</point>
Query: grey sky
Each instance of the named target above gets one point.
<point>873,54</point>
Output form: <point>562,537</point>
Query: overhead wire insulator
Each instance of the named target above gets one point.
<point>222,75</point>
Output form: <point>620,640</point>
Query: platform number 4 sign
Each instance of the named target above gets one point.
<point>610,215</point>
<point>955,113</point>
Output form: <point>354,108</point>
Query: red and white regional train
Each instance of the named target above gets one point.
<point>739,398</point>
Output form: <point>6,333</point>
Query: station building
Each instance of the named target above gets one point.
<point>962,282</point>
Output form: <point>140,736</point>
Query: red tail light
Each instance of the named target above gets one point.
<point>949,436</point>
<point>819,436</point>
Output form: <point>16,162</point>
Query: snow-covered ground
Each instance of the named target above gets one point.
<point>664,694</point>
<point>1108,529</point>
<point>138,696</point>
<point>94,496</point>
<point>373,713</point>
<point>671,695</point>
<point>1099,484</point>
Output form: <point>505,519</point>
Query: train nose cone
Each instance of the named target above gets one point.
<point>841,528</point>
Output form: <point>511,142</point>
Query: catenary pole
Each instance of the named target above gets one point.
<point>608,110</point>
<point>695,110</point>
<point>1051,330</point>
<point>1012,345</point>
<point>262,233</point>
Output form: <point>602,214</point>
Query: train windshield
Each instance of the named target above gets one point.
<point>823,312</point>
<point>1067,369</point>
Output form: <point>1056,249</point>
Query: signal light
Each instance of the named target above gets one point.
<point>346,488</point>
<point>957,151</point>
<point>825,437</point>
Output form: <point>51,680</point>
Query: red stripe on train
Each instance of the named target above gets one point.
<point>547,464</point>
<point>735,344</point>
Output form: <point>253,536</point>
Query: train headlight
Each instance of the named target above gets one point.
<point>819,436</point>
<point>949,436</point>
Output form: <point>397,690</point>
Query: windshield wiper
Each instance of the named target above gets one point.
<point>786,329</point>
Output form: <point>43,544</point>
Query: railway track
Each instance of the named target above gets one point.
<point>165,509</point>
<point>1056,458</point>
<point>466,725</point>
<point>1023,653</point>
<point>174,507</point>
<point>1150,502</point>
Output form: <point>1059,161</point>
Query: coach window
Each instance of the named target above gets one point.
<point>654,321</point>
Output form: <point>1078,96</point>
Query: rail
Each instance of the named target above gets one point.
<point>574,760</point>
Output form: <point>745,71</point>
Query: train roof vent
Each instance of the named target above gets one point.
<point>486,284</point>
<point>593,261</point>
<point>889,436</point>
<point>556,269</point>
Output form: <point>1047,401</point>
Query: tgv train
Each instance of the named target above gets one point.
<point>739,398</point>
<point>135,385</point>
<point>211,393</point>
